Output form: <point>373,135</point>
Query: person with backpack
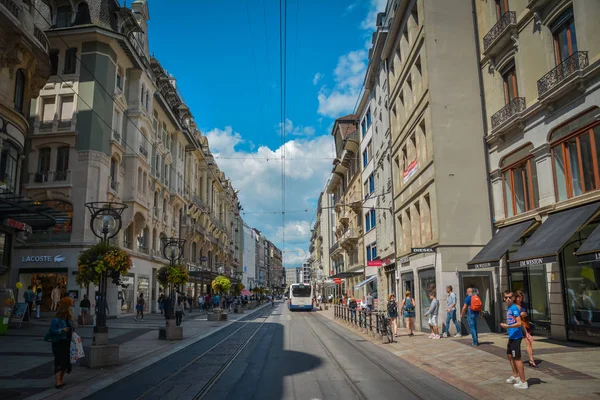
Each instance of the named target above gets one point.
<point>472,309</point>
<point>408,306</point>
<point>392,310</point>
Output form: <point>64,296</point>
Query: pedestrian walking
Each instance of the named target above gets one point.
<point>178,311</point>
<point>60,334</point>
<point>408,307</point>
<point>432,313</point>
<point>352,305</point>
<point>38,302</point>
<point>519,298</point>
<point>139,307</point>
<point>29,298</point>
<point>392,310</point>
<point>370,301</point>
<point>472,309</point>
<point>451,313</point>
<point>161,303</point>
<point>55,297</point>
<point>515,335</point>
<point>85,309</point>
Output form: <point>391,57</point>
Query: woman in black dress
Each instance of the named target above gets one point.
<point>61,329</point>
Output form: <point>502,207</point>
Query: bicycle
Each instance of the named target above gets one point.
<point>385,328</point>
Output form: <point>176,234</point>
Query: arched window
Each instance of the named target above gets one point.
<point>576,155</point>
<point>8,165</point>
<point>139,180</point>
<point>114,168</point>
<point>64,16</point>
<point>142,95</point>
<point>83,14</point>
<point>19,91</point>
<point>147,102</point>
<point>519,182</point>
<point>145,181</point>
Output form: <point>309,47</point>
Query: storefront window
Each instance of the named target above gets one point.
<point>426,285</point>
<point>532,282</point>
<point>61,232</point>
<point>143,286</point>
<point>127,295</point>
<point>45,281</point>
<point>519,175</point>
<point>582,293</point>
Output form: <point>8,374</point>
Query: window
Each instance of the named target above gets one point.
<point>147,100</point>
<point>369,118</point>
<point>365,158</point>
<point>519,177</point>
<point>371,252</point>
<point>83,14</point>
<point>48,109</point>
<point>8,165</point>
<point>142,95</point>
<point>19,91</point>
<point>501,8</point>
<point>70,61</point>
<point>194,252</point>
<point>54,61</point>
<point>66,108</point>
<point>119,75</point>
<point>576,160</point>
<point>510,84</point>
<point>363,127</point>
<point>62,163</point>
<point>43,165</point>
<point>64,16</point>
<point>565,38</point>
<point>371,182</point>
<point>370,220</point>
<point>426,214</point>
<point>114,169</point>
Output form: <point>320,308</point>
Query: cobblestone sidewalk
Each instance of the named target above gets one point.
<point>566,370</point>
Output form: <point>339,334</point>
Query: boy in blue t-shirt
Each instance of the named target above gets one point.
<point>515,335</point>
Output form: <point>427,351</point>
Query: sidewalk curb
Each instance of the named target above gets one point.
<point>107,376</point>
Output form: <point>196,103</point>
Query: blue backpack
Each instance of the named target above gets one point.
<point>408,306</point>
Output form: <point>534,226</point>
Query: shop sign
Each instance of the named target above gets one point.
<point>35,259</point>
<point>410,170</point>
<point>374,263</point>
<point>590,257</point>
<point>422,250</point>
<point>404,260</point>
<point>483,265</point>
<point>203,259</point>
<point>533,261</point>
<point>17,224</point>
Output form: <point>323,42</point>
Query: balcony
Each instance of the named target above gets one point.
<point>116,137</point>
<point>143,151</point>
<point>567,72</point>
<point>49,178</point>
<point>26,24</point>
<point>49,235</point>
<point>508,115</point>
<point>499,35</point>
<point>113,186</point>
<point>349,237</point>
<point>335,247</point>
<point>199,203</point>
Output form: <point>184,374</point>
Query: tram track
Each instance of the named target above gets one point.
<point>223,347</point>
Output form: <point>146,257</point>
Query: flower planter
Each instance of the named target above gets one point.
<point>217,317</point>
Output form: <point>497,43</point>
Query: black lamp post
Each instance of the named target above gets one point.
<point>105,223</point>
<point>172,251</point>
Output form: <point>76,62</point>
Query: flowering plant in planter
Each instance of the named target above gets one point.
<point>173,274</point>
<point>102,259</point>
<point>221,284</point>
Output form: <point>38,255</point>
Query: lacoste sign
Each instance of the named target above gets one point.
<point>36,259</point>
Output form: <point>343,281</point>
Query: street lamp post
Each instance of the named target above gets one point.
<point>105,223</point>
<point>172,251</point>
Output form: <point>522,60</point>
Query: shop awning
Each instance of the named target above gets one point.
<point>590,249</point>
<point>544,245</point>
<point>347,274</point>
<point>369,279</point>
<point>37,215</point>
<point>505,237</point>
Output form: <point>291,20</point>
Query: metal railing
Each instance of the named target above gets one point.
<point>370,322</point>
<point>41,37</point>
<point>509,18</point>
<point>515,106</point>
<point>576,62</point>
<point>334,247</point>
<point>11,6</point>
<point>143,151</point>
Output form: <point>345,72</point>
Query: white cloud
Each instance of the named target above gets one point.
<point>375,7</point>
<point>294,257</point>
<point>318,76</point>
<point>257,175</point>
<point>290,129</point>
<point>349,72</point>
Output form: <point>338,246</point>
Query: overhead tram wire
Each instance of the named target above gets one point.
<point>122,110</point>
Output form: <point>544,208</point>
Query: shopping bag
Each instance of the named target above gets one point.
<point>76,348</point>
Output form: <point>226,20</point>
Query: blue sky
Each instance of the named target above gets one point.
<point>226,61</point>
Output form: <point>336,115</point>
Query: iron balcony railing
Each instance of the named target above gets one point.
<point>576,62</point>
<point>334,247</point>
<point>143,151</point>
<point>515,106</point>
<point>11,6</point>
<point>41,37</point>
<point>509,18</point>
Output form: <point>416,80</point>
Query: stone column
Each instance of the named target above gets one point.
<point>209,193</point>
<point>545,178</point>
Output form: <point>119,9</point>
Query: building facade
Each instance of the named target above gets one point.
<point>442,212</point>
<point>249,257</point>
<point>345,184</point>
<point>24,69</point>
<point>111,125</point>
<point>540,64</point>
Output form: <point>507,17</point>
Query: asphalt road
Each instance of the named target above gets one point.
<point>304,356</point>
